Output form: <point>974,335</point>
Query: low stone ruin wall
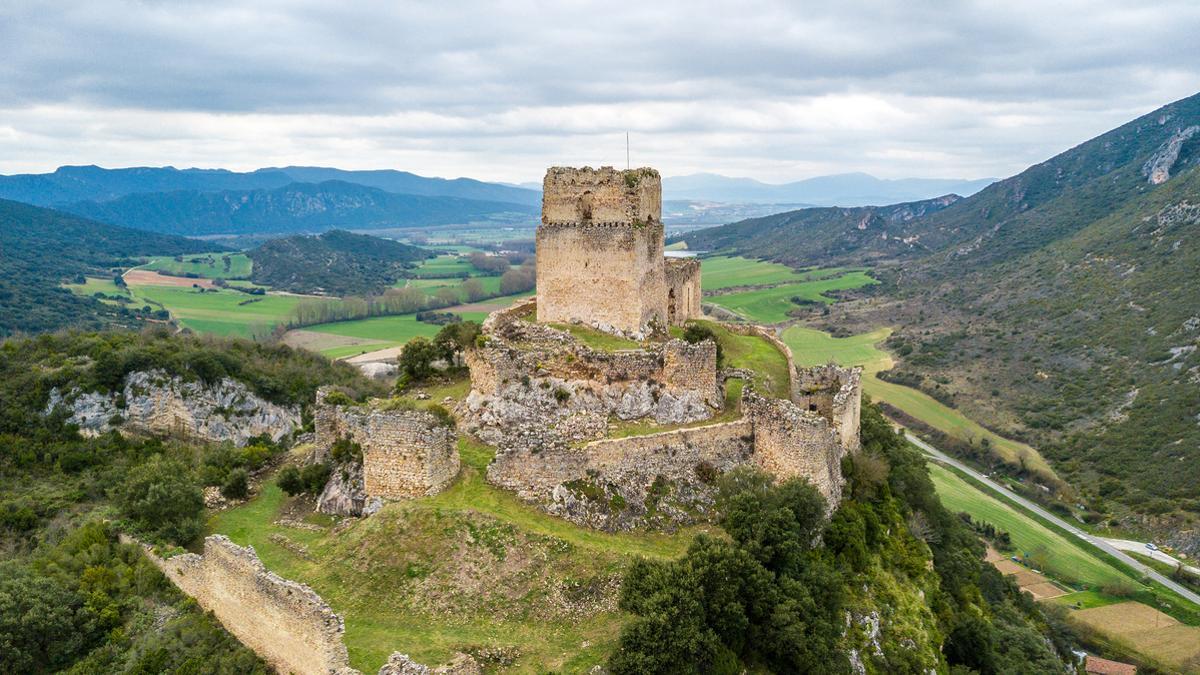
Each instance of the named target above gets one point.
<point>285,623</point>
<point>406,453</point>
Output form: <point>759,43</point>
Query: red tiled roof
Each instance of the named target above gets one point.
<point>1099,666</point>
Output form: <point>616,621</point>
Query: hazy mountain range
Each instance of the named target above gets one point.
<point>287,199</point>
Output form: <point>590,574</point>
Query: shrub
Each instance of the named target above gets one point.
<point>345,450</point>
<point>237,485</point>
<point>696,333</point>
<point>162,500</point>
<point>290,481</point>
<point>314,477</point>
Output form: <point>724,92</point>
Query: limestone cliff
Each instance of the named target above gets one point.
<point>157,403</point>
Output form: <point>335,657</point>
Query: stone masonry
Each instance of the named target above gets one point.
<point>683,290</point>
<point>286,623</point>
<point>406,453</point>
<point>600,250</point>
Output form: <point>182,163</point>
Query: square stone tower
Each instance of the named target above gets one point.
<point>600,250</point>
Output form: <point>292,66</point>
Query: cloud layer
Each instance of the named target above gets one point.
<point>774,90</point>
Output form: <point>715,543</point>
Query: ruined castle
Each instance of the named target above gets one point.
<point>610,438</point>
<point>607,438</point>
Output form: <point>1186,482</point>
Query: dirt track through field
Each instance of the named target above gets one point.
<point>151,278</point>
<point>314,341</point>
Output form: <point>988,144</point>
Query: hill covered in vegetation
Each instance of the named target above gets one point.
<point>334,263</point>
<point>72,597</point>
<point>296,207</point>
<point>824,235</point>
<point>1060,306</point>
<point>40,249</point>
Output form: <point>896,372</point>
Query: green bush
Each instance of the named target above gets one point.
<point>237,485</point>
<point>163,501</point>
<point>314,477</point>
<point>289,480</point>
<point>695,333</point>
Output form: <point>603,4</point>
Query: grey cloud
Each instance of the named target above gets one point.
<point>709,85</point>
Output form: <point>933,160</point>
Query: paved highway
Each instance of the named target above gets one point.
<point>1097,542</point>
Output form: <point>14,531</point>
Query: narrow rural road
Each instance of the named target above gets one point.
<point>1139,547</point>
<point>1097,542</point>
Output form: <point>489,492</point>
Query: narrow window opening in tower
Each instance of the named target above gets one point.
<point>671,305</point>
<point>585,207</point>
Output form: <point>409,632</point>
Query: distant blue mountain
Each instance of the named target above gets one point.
<point>849,189</point>
<point>71,184</point>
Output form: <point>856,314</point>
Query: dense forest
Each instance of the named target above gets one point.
<point>334,263</point>
<point>40,249</point>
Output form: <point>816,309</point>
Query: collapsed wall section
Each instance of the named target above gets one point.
<point>287,624</point>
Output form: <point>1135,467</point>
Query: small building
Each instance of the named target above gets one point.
<point>1099,666</point>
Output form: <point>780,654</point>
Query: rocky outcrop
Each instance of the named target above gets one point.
<point>1157,169</point>
<point>158,403</point>
<point>345,493</point>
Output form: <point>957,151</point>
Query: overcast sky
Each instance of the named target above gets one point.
<point>773,90</point>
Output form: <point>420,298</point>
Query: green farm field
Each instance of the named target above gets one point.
<point>383,331</point>
<point>94,285</point>
<point>720,272</point>
<point>208,265</point>
<point>813,347</point>
<point>220,312</point>
<point>771,305</point>
<point>444,267</point>
<point>1057,556</point>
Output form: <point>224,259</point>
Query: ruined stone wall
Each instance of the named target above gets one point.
<point>691,367</point>
<point>790,441</point>
<point>600,250</point>
<point>406,453</point>
<point>836,394</point>
<point>604,195</point>
<point>634,461</point>
<point>683,290</point>
<point>285,623</point>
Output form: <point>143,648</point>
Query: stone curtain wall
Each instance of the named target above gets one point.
<point>600,250</point>
<point>683,290</point>
<point>406,453</point>
<point>285,623</point>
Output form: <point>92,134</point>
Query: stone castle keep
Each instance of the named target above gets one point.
<point>600,254</point>
<point>548,402</point>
